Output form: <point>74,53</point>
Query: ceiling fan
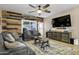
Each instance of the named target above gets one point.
<point>40,9</point>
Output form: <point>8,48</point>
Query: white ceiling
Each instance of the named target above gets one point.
<point>25,8</point>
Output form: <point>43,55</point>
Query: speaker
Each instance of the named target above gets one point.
<point>71,40</point>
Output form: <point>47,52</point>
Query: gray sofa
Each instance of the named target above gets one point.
<point>15,50</point>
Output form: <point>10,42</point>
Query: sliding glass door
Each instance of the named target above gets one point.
<point>29,25</point>
<point>33,25</point>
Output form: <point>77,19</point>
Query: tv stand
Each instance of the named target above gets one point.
<point>60,36</point>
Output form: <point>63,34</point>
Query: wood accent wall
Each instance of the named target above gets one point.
<point>11,21</point>
<point>11,15</point>
<point>19,16</point>
<point>0,26</point>
<point>11,25</point>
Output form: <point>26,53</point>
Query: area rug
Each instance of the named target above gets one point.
<point>56,48</point>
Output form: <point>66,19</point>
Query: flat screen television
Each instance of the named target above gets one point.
<point>63,21</point>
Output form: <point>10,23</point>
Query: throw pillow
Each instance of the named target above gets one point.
<point>9,38</point>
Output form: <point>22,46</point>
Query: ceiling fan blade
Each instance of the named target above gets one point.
<point>32,11</point>
<point>32,6</point>
<point>47,11</point>
<point>46,6</point>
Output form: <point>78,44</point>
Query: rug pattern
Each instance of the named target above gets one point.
<point>56,48</point>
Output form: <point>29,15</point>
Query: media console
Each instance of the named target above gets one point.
<point>60,36</point>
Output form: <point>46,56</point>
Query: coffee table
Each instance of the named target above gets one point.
<point>44,43</point>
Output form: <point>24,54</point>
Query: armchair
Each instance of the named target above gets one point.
<point>27,34</point>
<point>30,34</point>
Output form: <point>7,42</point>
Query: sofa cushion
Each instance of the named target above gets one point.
<point>8,37</point>
<point>13,45</point>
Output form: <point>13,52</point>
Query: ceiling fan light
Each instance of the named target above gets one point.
<point>39,11</point>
